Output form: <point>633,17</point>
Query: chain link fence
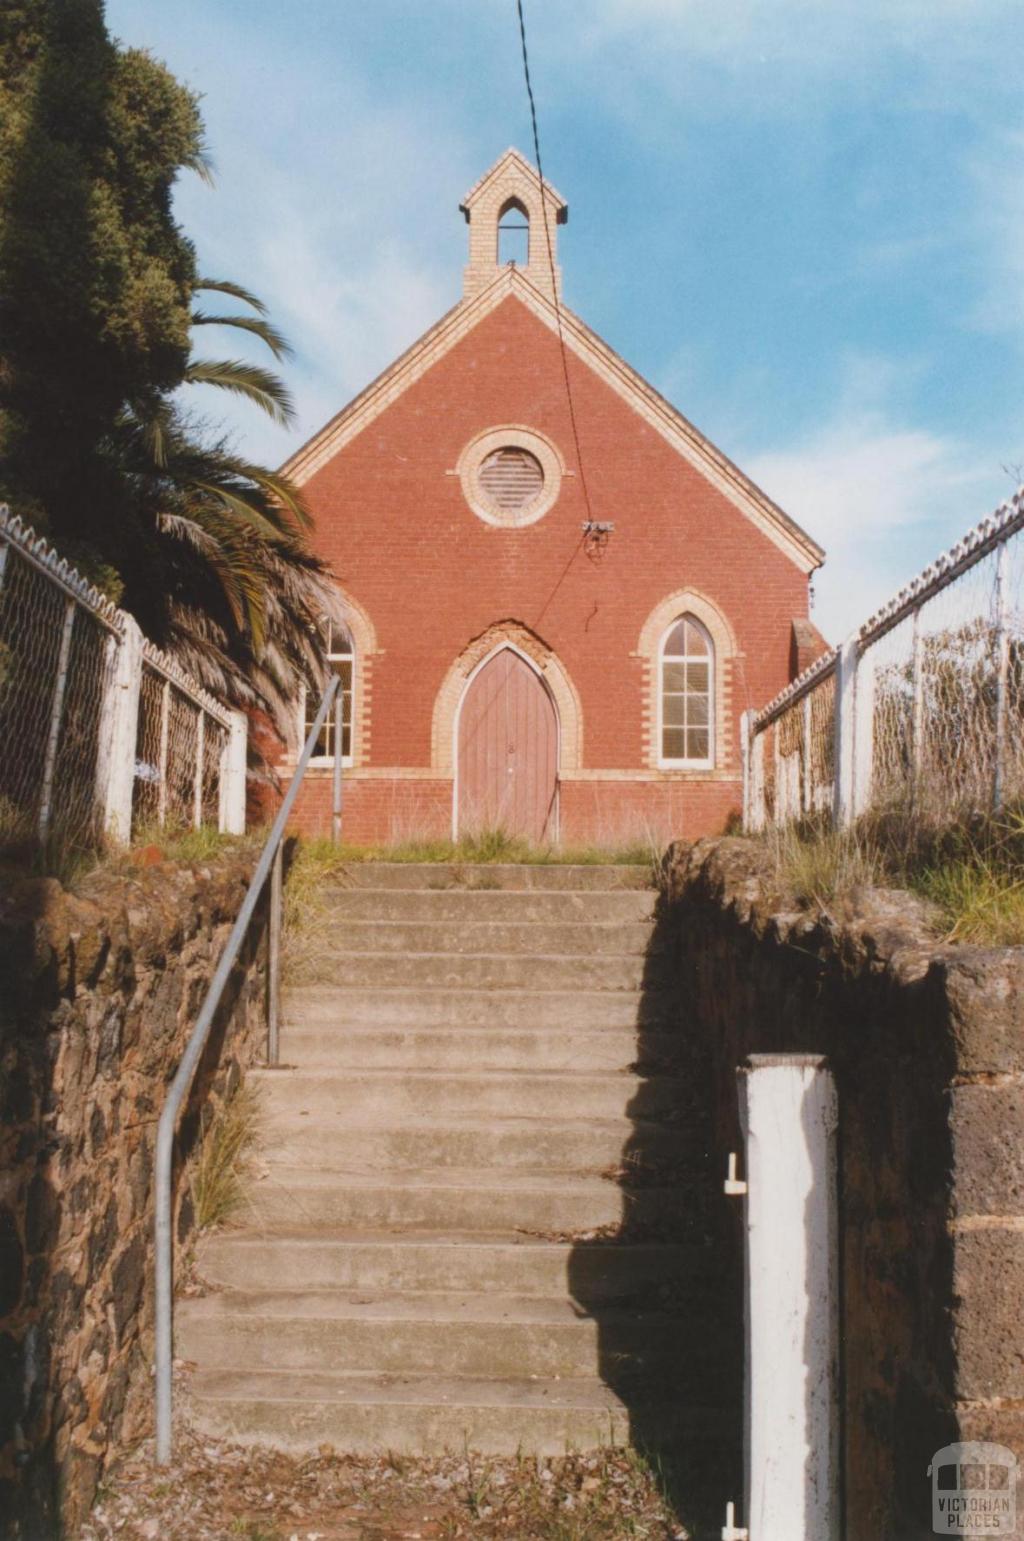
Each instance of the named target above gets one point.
<point>920,711</point>
<point>100,732</point>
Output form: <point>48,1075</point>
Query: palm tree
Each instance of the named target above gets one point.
<point>241,597</point>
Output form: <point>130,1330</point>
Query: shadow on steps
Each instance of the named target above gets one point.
<point>671,1336</point>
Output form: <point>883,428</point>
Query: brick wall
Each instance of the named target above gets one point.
<point>431,576</point>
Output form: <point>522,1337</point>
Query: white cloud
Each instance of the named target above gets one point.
<point>328,186</point>
<point>883,500</point>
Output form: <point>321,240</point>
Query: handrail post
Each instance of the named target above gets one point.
<point>164,1162</point>
<point>339,745</point>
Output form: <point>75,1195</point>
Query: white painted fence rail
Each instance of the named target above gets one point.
<point>922,707</point>
<point>101,733</point>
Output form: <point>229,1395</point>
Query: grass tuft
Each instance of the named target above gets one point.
<point>971,872</point>
<point>819,866</point>
<point>220,1165</point>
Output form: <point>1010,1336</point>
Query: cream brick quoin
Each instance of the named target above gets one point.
<point>563,693</point>
<point>723,639</point>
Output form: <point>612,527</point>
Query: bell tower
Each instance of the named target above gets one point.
<point>506,213</point>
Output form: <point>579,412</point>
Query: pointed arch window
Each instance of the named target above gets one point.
<point>513,234</point>
<point>686,695</point>
<point>341,658</point>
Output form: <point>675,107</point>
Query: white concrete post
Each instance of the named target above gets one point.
<point>232,777</point>
<point>746,719</point>
<point>845,732</point>
<point>863,732</point>
<point>789,1115</point>
<point>757,811</point>
<point>119,733</point>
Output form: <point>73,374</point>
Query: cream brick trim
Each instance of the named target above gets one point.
<point>516,161</point>
<point>364,639</point>
<point>512,180</point>
<point>563,691</point>
<point>476,452</point>
<point>723,639</point>
<point>687,440</point>
<point>652,776</point>
<point>383,773</point>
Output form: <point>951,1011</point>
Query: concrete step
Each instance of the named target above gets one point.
<point>486,971</point>
<point>422,1333</point>
<point>475,1048</point>
<point>382,1096</point>
<point>574,1145</point>
<point>389,1004</point>
<point>462,1262</point>
<point>430,1415</point>
<point>524,876</point>
<point>492,904</point>
<point>467,1200</point>
<point>530,937</point>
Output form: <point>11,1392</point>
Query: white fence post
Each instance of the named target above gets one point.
<point>232,777</point>
<point>746,720</point>
<point>119,732</point>
<point>788,1113</point>
<point>863,731</point>
<point>757,809</point>
<point>845,731</point>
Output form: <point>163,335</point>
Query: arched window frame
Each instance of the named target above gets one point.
<point>687,762</point>
<point>340,655</point>
<point>515,207</point>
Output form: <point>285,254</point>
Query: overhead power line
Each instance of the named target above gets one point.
<point>551,262</point>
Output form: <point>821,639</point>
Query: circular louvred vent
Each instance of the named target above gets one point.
<point>512,478</point>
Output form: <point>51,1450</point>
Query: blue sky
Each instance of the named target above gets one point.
<point>802,220</point>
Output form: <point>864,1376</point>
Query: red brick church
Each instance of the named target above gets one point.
<point>560,596</point>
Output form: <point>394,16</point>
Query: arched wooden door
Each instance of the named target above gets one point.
<point>508,751</point>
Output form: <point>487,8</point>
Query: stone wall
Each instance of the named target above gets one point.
<point>98,991</point>
<point>927,1044</point>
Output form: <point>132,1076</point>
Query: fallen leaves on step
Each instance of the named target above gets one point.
<point>216,1491</point>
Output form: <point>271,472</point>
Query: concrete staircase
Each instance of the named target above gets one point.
<point>483,1211</point>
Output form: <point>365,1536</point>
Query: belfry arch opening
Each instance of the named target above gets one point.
<point>513,234</point>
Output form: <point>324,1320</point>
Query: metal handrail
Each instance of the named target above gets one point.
<point>270,857</point>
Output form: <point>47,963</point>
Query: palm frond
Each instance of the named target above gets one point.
<point>257,385</point>
<point>235,561</point>
<point>201,162</point>
<point>244,507</point>
<point>236,291</point>
<point>256,325</point>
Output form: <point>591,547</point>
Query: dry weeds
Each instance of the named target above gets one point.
<point>219,1492</point>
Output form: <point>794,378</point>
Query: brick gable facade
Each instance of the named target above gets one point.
<point>434,588</point>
